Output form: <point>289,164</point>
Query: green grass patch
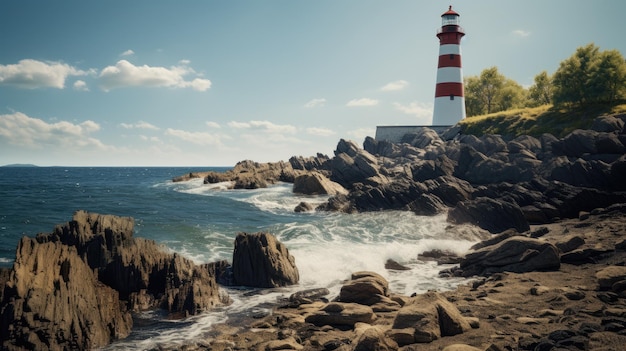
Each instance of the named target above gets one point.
<point>535,121</point>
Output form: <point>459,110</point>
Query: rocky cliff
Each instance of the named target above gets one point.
<point>74,288</point>
<point>494,182</point>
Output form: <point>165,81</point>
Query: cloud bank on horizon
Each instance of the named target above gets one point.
<point>210,84</point>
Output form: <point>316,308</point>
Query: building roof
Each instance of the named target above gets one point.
<point>450,12</point>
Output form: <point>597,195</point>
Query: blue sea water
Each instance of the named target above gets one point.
<point>201,221</point>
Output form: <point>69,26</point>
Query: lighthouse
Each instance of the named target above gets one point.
<point>449,98</point>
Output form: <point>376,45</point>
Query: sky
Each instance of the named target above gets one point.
<point>211,83</point>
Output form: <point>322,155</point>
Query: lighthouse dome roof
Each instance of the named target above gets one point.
<point>450,12</point>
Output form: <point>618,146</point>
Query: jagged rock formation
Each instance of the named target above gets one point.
<point>53,301</point>
<point>260,260</point>
<point>547,178</point>
<point>75,287</point>
<point>315,183</point>
<point>515,254</point>
<point>253,175</point>
<point>526,180</point>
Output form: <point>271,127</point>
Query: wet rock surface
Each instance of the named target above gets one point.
<point>572,307</point>
<point>528,180</point>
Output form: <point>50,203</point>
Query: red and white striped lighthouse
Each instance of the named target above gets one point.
<point>449,97</point>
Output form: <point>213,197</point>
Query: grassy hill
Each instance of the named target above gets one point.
<point>558,121</point>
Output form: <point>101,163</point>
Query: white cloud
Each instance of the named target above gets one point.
<point>395,86</point>
<point>33,74</point>
<point>127,53</point>
<point>21,130</point>
<point>139,125</point>
<point>521,33</point>
<point>125,74</point>
<point>418,109</point>
<point>362,102</point>
<point>80,85</point>
<point>153,139</point>
<point>198,138</point>
<point>212,124</point>
<point>323,132</point>
<point>315,103</point>
<point>238,125</point>
<point>264,126</point>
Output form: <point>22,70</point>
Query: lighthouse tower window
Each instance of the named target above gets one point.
<point>451,56</point>
<point>451,97</point>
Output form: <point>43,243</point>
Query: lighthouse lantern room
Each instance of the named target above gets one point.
<point>449,97</point>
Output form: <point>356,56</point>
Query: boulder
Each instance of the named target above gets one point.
<point>427,205</point>
<point>609,143</point>
<point>491,170</point>
<point>381,148</point>
<point>395,195</point>
<point>394,265</point>
<point>449,189</point>
<point>576,143</point>
<point>607,124</point>
<point>365,288</point>
<point>609,276</point>
<point>430,316</point>
<point>422,138</point>
<point>374,338</point>
<point>489,214</point>
<point>304,207</point>
<point>260,260</point>
<point>430,169</point>
<point>348,147</point>
<point>491,144</point>
<point>341,314</point>
<point>469,157</point>
<point>582,173</point>
<point>451,133</point>
<point>53,301</point>
<point>439,256</point>
<point>525,142</point>
<point>318,162</point>
<point>315,183</point>
<point>570,243</point>
<point>348,170</point>
<point>516,254</point>
<point>307,296</point>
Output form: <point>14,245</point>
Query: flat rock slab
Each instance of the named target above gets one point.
<point>610,275</point>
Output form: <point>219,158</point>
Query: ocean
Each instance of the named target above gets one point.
<point>201,221</point>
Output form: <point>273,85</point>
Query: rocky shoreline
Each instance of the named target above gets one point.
<point>577,304</point>
<point>493,182</point>
<point>551,276</point>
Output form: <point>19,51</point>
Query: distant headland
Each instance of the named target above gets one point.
<point>16,165</point>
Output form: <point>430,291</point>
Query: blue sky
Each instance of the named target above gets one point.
<point>210,83</point>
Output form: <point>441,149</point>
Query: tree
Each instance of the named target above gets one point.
<point>540,93</point>
<point>492,92</point>
<point>511,95</point>
<point>609,80</point>
<point>491,81</point>
<point>473,104</point>
<point>590,76</point>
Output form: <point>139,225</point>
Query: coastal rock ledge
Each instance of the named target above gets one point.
<point>75,288</point>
